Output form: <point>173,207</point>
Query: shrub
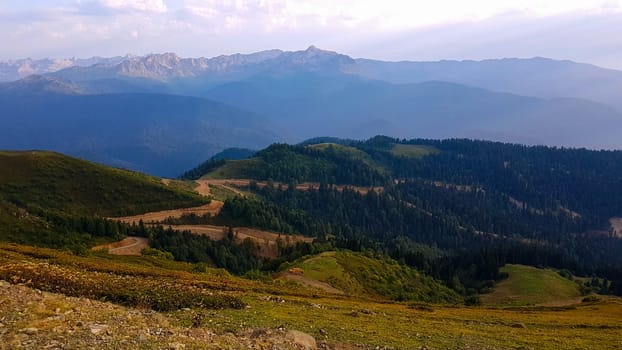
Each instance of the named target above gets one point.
<point>472,300</point>
<point>157,253</point>
<point>159,294</point>
<point>590,299</point>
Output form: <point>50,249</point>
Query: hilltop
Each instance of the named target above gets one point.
<point>50,199</point>
<point>368,276</point>
<point>527,285</point>
<point>54,181</point>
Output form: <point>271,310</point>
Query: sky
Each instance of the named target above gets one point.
<point>580,30</point>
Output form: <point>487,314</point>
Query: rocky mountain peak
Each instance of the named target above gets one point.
<point>314,58</point>
<point>167,59</point>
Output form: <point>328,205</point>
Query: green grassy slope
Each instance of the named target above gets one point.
<point>367,163</point>
<point>349,152</point>
<point>362,275</point>
<point>528,285</point>
<point>247,168</point>
<point>52,181</point>
<point>413,151</point>
<point>234,169</point>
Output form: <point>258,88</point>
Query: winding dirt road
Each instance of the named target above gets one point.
<point>128,246</point>
<point>213,208</point>
<point>266,241</point>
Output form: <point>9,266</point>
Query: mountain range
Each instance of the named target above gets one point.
<point>161,113</point>
<point>154,133</point>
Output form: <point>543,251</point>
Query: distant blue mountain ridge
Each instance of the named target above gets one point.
<point>163,114</point>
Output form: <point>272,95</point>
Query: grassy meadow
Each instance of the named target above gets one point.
<point>225,304</point>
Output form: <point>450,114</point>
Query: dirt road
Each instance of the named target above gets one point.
<point>127,246</point>
<point>265,240</point>
<point>301,187</point>
<point>203,188</point>
<point>213,208</point>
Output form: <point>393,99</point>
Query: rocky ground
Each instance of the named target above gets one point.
<point>31,319</point>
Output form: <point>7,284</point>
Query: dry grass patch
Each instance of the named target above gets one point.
<point>265,240</point>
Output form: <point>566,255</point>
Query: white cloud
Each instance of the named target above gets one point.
<point>157,6</point>
<point>373,16</point>
<point>202,11</point>
<point>387,29</point>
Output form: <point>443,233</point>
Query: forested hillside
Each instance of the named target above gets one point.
<point>457,209</point>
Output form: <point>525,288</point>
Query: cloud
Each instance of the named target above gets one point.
<point>136,5</point>
<point>119,7</point>
<point>585,38</point>
<point>584,30</point>
<point>388,15</point>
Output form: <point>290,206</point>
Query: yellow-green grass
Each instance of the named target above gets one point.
<point>145,266</point>
<point>528,285</point>
<point>325,268</point>
<point>343,321</point>
<point>413,151</point>
<point>233,169</point>
<point>399,326</point>
<point>182,185</point>
<point>374,276</point>
<point>52,181</point>
<point>352,152</point>
<point>222,193</point>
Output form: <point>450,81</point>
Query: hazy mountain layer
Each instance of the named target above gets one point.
<point>81,109</point>
<point>310,104</point>
<point>158,134</point>
<point>540,77</point>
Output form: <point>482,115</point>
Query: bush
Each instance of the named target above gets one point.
<point>472,300</point>
<point>157,253</point>
<point>590,299</point>
<point>159,294</point>
<point>257,275</point>
<point>565,274</point>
